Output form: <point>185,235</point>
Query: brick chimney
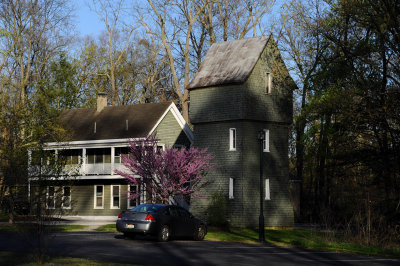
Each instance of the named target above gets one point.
<point>101,101</point>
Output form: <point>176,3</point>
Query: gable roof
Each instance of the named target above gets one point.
<point>229,62</point>
<point>111,122</point>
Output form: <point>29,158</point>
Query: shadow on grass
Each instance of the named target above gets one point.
<point>232,234</point>
<point>12,258</point>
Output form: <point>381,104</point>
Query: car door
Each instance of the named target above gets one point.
<point>186,222</point>
<point>175,224</point>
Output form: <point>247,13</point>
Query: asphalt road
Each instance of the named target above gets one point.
<point>146,251</point>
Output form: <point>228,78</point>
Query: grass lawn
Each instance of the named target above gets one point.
<point>12,258</point>
<point>301,238</point>
<point>107,228</point>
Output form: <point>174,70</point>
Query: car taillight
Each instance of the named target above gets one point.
<point>149,217</point>
<point>120,216</point>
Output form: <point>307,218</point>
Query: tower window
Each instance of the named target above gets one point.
<point>267,190</point>
<point>232,139</point>
<point>231,188</point>
<point>268,83</point>
<point>266,141</point>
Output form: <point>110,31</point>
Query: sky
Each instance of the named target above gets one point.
<point>87,22</point>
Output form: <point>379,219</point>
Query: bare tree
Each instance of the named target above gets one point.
<point>110,13</point>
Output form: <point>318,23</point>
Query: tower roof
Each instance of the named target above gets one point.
<point>229,62</point>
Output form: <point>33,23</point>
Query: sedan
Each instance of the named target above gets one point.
<point>162,221</point>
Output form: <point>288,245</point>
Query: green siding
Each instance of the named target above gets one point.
<point>170,133</point>
<point>83,198</point>
<point>276,106</point>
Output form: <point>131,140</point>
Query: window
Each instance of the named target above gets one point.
<point>44,157</point>
<point>72,156</point>
<point>98,156</point>
<point>160,147</point>
<point>266,141</point>
<point>268,83</point>
<point>35,157</point>
<point>98,196</point>
<point>133,190</point>
<point>231,188</point>
<point>232,139</point>
<point>51,191</point>
<point>115,197</point>
<point>66,199</point>
<point>267,191</point>
<point>120,151</point>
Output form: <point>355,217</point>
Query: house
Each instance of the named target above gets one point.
<point>242,89</point>
<point>98,138</point>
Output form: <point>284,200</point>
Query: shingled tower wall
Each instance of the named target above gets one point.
<point>229,91</point>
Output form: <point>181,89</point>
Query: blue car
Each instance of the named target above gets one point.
<point>163,221</point>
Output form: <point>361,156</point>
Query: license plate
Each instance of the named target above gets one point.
<point>130,226</point>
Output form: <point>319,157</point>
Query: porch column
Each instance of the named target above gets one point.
<point>112,160</point>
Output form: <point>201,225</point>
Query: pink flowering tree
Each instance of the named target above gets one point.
<point>164,173</point>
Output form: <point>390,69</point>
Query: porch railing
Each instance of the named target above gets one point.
<point>78,170</point>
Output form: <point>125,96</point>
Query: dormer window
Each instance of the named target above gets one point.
<point>268,83</point>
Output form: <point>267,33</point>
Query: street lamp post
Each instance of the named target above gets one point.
<point>261,234</point>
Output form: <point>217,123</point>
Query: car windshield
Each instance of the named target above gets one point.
<point>147,208</point>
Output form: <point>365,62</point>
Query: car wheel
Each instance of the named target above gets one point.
<point>199,233</point>
<point>164,233</point>
<point>129,235</point>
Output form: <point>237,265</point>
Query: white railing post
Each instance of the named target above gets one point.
<point>83,161</point>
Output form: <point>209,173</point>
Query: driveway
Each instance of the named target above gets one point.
<point>146,251</point>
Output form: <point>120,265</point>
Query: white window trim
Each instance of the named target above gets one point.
<point>112,197</point>
<point>95,198</point>
<point>267,190</point>
<point>47,198</point>
<point>232,139</point>
<point>266,141</point>
<point>70,198</point>
<point>268,83</point>
<point>231,182</point>
<point>129,200</point>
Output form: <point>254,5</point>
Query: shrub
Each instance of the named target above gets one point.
<point>217,211</point>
